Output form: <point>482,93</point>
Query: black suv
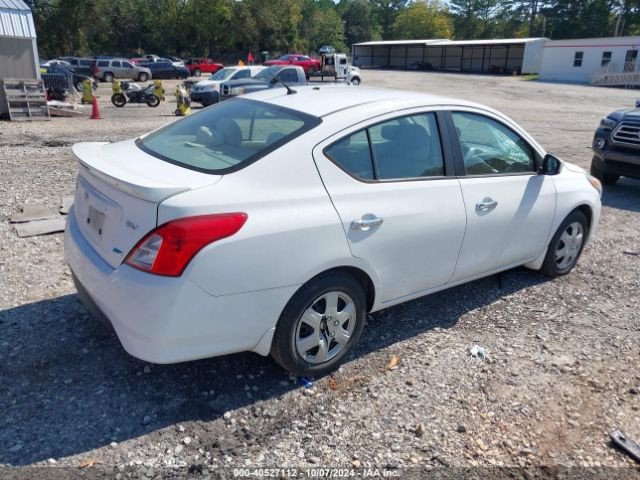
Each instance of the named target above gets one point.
<point>616,146</point>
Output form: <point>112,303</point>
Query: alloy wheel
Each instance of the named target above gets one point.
<point>569,245</point>
<point>325,327</point>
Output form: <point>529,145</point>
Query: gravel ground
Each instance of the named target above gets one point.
<point>561,371</point>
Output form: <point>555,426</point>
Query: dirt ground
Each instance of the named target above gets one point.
<point>561,372</point>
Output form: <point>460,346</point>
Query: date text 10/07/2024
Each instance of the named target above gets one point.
<point>315,473</point>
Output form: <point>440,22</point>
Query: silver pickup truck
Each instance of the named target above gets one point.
<point>272,77</point>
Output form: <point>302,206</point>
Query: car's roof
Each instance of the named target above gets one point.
<point>323,100</point>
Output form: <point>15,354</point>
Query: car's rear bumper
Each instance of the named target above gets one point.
<point>617,162</point>
<point>170,319</point>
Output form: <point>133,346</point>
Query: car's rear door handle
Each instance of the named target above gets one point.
<point>486,204</point>
<point>366,223</point>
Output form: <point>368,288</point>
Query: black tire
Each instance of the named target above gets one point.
<point>607,179</point>
<point>118,100</point>
<point>355,81</point>
<point>78,86</point>
<point>284,350</point>
<point>197,72</point>
<point>551,266</point>
<point>152,100</point>
<point>108,77</point>
<point>143,77</point>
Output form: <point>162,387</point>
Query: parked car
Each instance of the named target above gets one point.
<point>178,62</point>
<point>616,146</point>
<point>107,70</point>
<point>207,92</point>
<point>53,63</point>
<point>326,50</point>
<point>264,223</point>
<point>198,66</point>
<point>272,77</point>
<point>167,70</point>
<point>310,65</point>
<point>77,78</point>
<point>83,66</point>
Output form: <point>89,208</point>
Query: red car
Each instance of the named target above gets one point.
<point>198,66</point>
<point>308,64</point>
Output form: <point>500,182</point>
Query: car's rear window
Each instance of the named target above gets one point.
<point>228,136</point>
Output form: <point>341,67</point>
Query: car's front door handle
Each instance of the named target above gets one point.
<point>366,223</point>
<point>486,205</point>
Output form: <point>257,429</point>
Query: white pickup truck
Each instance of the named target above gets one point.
<point>334,66</point>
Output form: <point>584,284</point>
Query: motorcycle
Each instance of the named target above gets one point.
<point>134,93</point>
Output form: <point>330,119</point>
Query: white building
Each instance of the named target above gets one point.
<point>589,60</point>
<point>508,55</point>
<point>18,48</point>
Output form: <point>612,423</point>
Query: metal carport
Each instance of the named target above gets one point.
<point>521,55</point>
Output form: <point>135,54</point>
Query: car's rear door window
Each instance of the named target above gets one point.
<point>353,155</point>
<point>228,136</point>
<point>402,148</point>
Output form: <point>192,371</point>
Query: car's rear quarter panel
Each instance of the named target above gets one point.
<point>292,232</point>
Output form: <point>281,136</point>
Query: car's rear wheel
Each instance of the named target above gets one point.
<point>143,77</point>
<point>566,245</point>
<point>320,325</point>
<point>606,178</point>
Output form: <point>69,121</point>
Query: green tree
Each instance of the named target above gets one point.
<point>422,19</point>
<point>386,12</point>
<point>579,18</point>
<point>323,26</point>
<point>361,23</point>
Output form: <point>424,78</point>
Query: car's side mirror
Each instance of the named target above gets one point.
<point>550,165</point>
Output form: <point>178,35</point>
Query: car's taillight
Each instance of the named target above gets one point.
<point>168,249</point>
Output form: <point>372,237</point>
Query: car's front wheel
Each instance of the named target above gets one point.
<point>320,325</point>
<point>566,245</point>
<point>606,178</point>
<point>197,72</point>
<point>143,77</point>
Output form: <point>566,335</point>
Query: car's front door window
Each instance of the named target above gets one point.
<point>491,148</point>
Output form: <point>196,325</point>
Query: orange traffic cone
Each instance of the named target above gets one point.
<point>95,111</point>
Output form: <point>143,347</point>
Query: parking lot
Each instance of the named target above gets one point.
<point>561,371</point>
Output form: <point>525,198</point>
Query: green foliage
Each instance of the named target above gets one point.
<point>422,19</point>
<point>229,29</point>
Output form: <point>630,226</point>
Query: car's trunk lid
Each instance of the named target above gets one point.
<point>119,189</point>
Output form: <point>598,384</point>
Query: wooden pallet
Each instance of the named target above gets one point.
<point>26,99</point>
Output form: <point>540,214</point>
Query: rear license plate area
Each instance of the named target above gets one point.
<point>95,220</point>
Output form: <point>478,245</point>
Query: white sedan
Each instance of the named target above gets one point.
<point>274,222</point>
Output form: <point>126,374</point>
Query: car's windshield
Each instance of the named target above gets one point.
<point>227,136</point>
<point>266,74</point>
<point>285,57</point>
<point>222,74</point>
